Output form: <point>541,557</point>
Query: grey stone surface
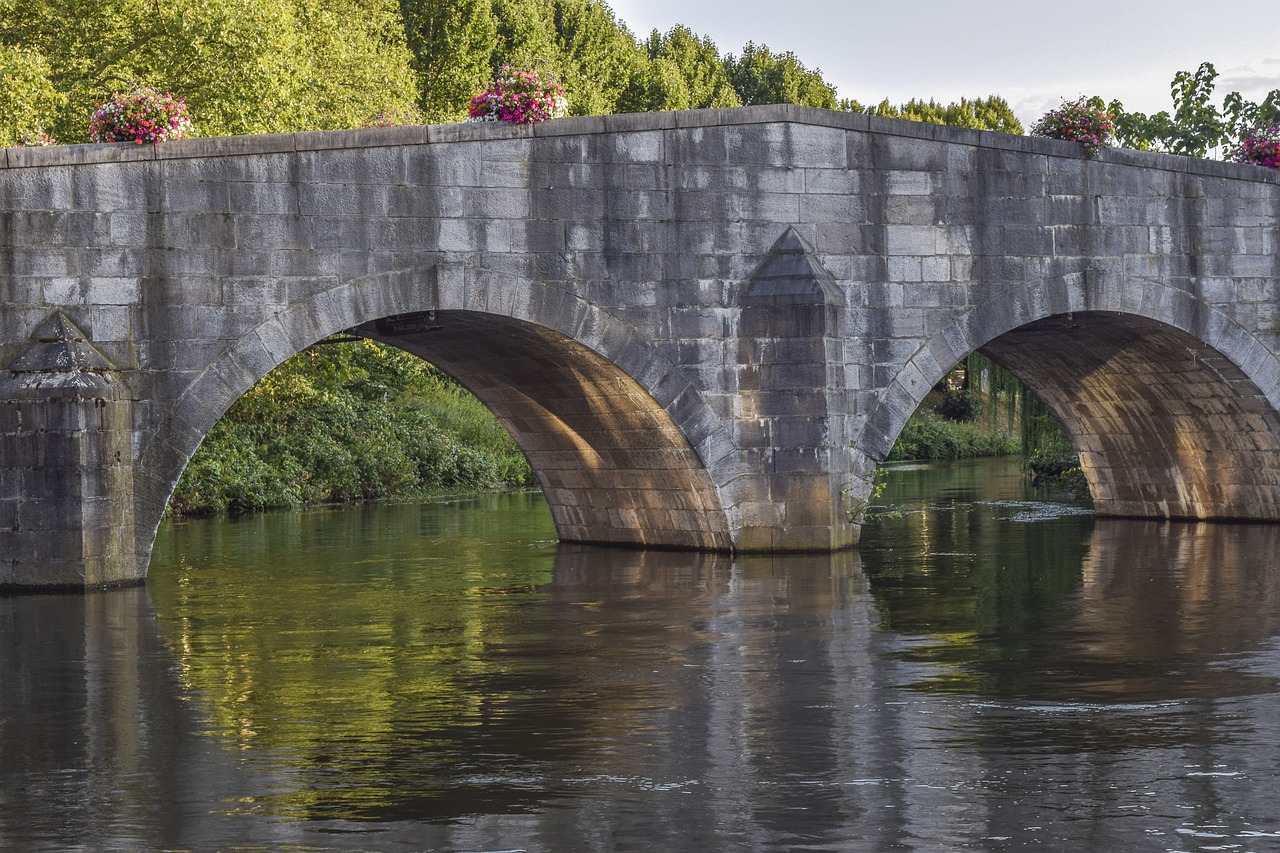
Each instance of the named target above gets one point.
<point>704,328</point>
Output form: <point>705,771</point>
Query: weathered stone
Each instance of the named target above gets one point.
<point>703,327</point>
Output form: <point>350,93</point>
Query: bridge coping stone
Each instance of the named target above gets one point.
<point>378,137</point>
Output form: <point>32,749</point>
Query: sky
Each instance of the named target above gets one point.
<point>1032,53</point>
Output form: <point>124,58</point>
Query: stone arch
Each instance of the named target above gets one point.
<point>625,450</point>
<point>1171,404</point>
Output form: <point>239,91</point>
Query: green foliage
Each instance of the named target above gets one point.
<point>683,72</point>
<point>348,422</point>
<point>452,44</point>
<point>594,56</point>
<point>760,76</point>
<point>1047,452</point>
<point>928,435</point>
<point>992,113</point>
<point>29,101</point>
<point>243,66</point>
<point>961,406</point>
<point>1196,126</point>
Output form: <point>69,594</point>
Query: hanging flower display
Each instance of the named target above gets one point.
<point>1078,121</point>
<point>519,95</point>
<point>143,115</point>
<point>1259,145</point>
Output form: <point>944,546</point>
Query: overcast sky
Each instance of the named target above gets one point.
<point>1031,52</point>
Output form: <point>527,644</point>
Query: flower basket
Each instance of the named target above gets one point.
<point>1259,145</point>
<point>143,115</point>
<point>1078,121</point>
<point>519,95</point>
<point>37,140</point>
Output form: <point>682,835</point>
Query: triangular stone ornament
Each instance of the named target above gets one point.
<point>791,274</point>
<point>60,347</point>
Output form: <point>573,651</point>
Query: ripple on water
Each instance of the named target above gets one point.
<point>1033,511</point>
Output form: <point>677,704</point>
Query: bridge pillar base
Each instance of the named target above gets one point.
<point>66,508</point>
<point>791,423</point>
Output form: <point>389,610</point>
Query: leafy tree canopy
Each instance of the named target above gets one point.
<point>993,113</point>
<point>685,71</point>
<point>762,77</point>
<point>581,41</point>
<point>1196,126</point>
<point>244,66</point>
<point>28,96</point>
<point>452,44</point>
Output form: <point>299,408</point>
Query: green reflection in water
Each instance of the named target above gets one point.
<point>1007,595</point>
<point>432,663</point>
<point>357,646</point>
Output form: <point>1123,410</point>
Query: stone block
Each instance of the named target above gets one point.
<point>46,188</point>
<point>908,183</point>
<point>262,197</point>
<point>443,166</point>
<point>905,269</point>
<point>912,239</point>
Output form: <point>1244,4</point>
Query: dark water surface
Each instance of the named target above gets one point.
<point>991,670</point>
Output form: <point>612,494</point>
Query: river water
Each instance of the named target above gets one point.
<point>992,669</point>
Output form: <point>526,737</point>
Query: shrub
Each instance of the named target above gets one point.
<point>960,406</point>
<point>928,436</point>
<point>1083,121</point>
<point>519,95</point>
<point>143,115</point>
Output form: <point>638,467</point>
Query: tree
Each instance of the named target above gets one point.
<point>1196,125</point>
<point>992,113</point>
<point>29,102</point>
<point>580,41</point>
<point>244,66</point>
<point>452,43</point>
<point>760,76</point>
<point>683,72</point>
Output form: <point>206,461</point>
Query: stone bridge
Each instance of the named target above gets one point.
<point>704,328</point>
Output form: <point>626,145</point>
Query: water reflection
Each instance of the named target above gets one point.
<point>990,671</point>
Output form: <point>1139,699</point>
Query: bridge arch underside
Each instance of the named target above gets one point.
<point>1166,426</point>
<point>614,466</point>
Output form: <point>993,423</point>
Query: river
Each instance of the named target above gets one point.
<point>992,669</point>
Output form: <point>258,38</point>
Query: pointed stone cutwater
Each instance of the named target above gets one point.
<point>60,346</point>
<point>791,274</point>
<point>68,422</point>
<point>61,356</point>
<point>792,424</point>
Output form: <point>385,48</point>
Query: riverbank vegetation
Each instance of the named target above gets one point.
<point>981,409</point>
<point>348,422</point>
<point>929,435</point>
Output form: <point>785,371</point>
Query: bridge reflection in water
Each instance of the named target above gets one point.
<point>987,670</point>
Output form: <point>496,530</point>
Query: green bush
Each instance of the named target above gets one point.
<point>348,422</point>
<point>961,406</point>
<point>928,435</point>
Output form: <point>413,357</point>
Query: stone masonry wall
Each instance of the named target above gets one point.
<point>195,267</point>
